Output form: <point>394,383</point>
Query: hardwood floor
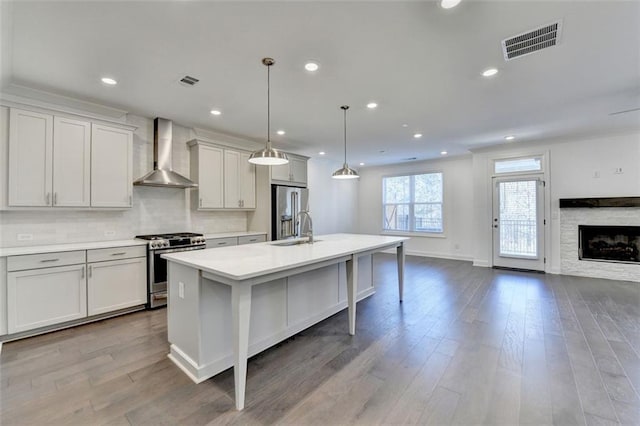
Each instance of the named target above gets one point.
<point>467,346</point>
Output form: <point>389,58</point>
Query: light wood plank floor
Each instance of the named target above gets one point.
<point>467,346</point>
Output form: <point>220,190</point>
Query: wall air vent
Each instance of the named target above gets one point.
<point>187,79</point>
<point>531,41</point>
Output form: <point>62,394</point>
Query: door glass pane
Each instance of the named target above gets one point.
<point>517,224</point>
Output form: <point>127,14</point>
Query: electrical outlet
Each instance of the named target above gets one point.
<point>109,233</point>
<point>618,171</point>
<point>181,290</point>
<point>25,237</point>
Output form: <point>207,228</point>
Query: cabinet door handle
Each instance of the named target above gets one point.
<point>55,198</point>
<point>90,271</point>
<point>222,244</point>
<point>82,272</point>
<point>130,200</point>
<point>49,260</point>
<point>119,254</point>
<point>48,198</point>
<point>200,202</point>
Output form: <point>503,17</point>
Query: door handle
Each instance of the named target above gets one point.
<point>55,198</point>
<point>495,226</point>
<point>90,271</point>
<point>82,272</point>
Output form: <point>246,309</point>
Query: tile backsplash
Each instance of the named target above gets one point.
<point>154,209</point>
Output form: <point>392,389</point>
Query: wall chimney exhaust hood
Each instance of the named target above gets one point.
<point>162,174</point>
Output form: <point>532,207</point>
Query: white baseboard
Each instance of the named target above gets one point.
<point>481,263</point>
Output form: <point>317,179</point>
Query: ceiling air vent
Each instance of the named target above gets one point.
<point>531,41</point>
<point>187,79</point>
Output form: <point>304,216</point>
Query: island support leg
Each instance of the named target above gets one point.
<point>400,255</point>
<point>241,313</point>
<point>352,289</point>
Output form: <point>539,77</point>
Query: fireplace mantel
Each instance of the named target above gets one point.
<point>599,202</point>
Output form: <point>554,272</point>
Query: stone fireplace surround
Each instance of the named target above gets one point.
<point>574,212</point>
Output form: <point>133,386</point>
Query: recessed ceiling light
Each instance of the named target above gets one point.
<point>322,153</point>
<point>489,72</point>
<point>443,152</point>
<point>281,132</point>
<point>417,135</point>
<point>405,125</point>
<point>509,138</point>
<point>372,105</point>
<point>311,66</point>
<point>362,164</point>
<point>448,4</point>
<point>215,112</point>
<point>109,81</point>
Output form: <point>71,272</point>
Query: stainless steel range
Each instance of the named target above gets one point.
<point>157,267</point>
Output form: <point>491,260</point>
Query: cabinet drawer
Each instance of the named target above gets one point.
<point>45,260</point>
<point>115,253</point>
<point>250,239</point>
<point>222,242</point>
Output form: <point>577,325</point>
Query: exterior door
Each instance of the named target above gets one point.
<point>518,222</point>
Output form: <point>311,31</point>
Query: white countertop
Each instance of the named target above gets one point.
<point>233,234</point>
<point>52,248</point>
<point>253,260</point>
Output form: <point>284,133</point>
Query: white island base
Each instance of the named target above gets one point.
<point>225,305</point>
<point>200,324</point>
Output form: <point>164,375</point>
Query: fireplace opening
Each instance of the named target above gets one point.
<point>609,243</point>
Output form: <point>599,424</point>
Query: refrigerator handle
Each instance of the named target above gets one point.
<point>294,214</point>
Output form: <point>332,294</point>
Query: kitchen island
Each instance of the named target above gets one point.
<point>227,304</point>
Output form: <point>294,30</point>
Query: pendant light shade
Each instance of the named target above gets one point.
<point>345,172</point>
<point>268,156</point>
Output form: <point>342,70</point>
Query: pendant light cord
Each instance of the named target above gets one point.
<point>268,106</point>
<point>345,136</point>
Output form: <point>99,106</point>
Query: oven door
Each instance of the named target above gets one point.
<point>158,274</point>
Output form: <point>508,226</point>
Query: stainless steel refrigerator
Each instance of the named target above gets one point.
<point>286,203</point>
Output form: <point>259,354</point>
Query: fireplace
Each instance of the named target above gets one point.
<point>619,244</point>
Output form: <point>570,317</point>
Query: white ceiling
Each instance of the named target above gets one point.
<point>419,62</point>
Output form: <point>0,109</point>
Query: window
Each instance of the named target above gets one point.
<point>413,203</point>
<point>515,165</point>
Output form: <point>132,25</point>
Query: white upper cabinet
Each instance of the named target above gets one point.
<point>298,168</point>
<point>30,158</point>
<point>293,173</point>
<point>56,161</point>
<point>239,180</point>
<point>71,162</point>
<point>111,166</point>
<point>207,172</point>
<point>225,178</point>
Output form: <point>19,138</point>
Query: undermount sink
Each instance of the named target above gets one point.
<point>293,242</point>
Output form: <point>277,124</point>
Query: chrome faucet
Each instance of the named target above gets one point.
<point>307,214</point>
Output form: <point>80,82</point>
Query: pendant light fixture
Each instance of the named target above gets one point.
<point>268,156</point>
<point>345,172</point>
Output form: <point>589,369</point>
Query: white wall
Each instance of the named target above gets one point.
<point>572,167</point>
<point>154,209</point>
<point>457,241</point>
<point>333,203</point>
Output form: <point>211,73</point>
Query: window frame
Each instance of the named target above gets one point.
<point>412,204</point>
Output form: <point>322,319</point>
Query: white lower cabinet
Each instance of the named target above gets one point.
<point>41,297</point>
<point>116,284</point>
<point>84,283</point>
